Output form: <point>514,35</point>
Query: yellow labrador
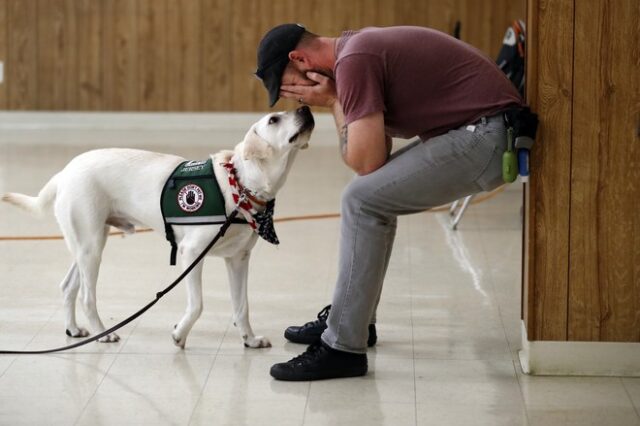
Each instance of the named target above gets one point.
<point>101,188</point>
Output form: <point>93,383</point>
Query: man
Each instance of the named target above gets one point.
<point>382,83</point>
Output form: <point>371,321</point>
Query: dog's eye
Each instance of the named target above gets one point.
<point>274,119</point>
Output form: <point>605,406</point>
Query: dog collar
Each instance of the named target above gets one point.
<point>246,191</point>
<point>260,222</point>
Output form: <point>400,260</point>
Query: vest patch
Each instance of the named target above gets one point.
<point>190,198</point>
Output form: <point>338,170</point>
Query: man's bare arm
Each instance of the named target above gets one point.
<point>363,143</point>
<point>343,129</point>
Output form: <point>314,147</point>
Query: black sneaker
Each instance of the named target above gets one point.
<point>310,332</point>
<point>319,362</point>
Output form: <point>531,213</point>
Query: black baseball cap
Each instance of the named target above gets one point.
<point>273,56</point>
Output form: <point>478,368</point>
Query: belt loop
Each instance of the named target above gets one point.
<point>483,120</point>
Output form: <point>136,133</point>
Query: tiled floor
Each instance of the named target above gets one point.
<point>449,320</point>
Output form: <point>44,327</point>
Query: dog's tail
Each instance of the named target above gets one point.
<point>36,205</point>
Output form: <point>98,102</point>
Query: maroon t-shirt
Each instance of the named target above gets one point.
<point>424,81</point>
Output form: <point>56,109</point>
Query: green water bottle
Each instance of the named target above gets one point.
<point>509,160</point>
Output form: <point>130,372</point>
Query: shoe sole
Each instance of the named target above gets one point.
<point>305,377</point>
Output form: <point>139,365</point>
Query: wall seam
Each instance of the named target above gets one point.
<point>573,82</point>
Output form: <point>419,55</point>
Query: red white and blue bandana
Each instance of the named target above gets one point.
<point>260,222</point>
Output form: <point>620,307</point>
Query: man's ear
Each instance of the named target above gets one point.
<point>305,146</point>
<point>256,148</point>
<point>297,56</point>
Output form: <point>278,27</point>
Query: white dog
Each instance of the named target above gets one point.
<point>122,188</point>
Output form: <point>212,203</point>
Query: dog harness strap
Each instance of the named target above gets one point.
<point>168,230</point>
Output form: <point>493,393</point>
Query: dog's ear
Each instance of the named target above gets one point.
<point>256,148</point>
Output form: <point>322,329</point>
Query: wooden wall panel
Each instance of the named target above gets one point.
<point>50,49</point>
<point>475,15</point>
<point>192,55</point>
<point>246,17</point>
<point>604,278</point>
<point>152,55</point>
<point>3,52</point>
<point>120,80</point>
<point>216,55</point>
<point>283,11</point>
<point>345,18</point>
<point>21,66</point>
<point>90,54</point>
<point>370,13</point>
<point>503,13</point>
<point>550,93</point>
<point>183,55</point>
<point>528,302</point>
<point>442,15</point>
<point>57,56</point>
<point>419,13</point>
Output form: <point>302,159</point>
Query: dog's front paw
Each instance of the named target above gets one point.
<point>109,338</point>
<point>257,342</point>
<point>77,332</point>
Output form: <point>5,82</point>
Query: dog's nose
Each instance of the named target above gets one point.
<point>304,113</point>
<point>304,110</point>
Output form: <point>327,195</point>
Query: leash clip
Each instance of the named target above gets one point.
<point>244,197</point>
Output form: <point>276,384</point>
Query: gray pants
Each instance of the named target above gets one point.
<point>422,175</point>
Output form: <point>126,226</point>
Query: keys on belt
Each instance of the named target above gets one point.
<point>521,125</point>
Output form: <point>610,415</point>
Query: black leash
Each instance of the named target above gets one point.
<point>159,295</point>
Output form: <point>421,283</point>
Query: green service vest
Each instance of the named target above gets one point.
<point>192,196</point>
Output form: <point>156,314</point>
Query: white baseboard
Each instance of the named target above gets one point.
<point>579,358</point>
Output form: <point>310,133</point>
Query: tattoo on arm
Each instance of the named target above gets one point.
<point>344,136</point>
<point>341,127</point>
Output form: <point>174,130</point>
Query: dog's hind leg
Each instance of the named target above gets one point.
<point>70,286</point>
<point>194,296</point>
<point>89,258</point>
<point>82,222</point>
<point>238,271</point>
